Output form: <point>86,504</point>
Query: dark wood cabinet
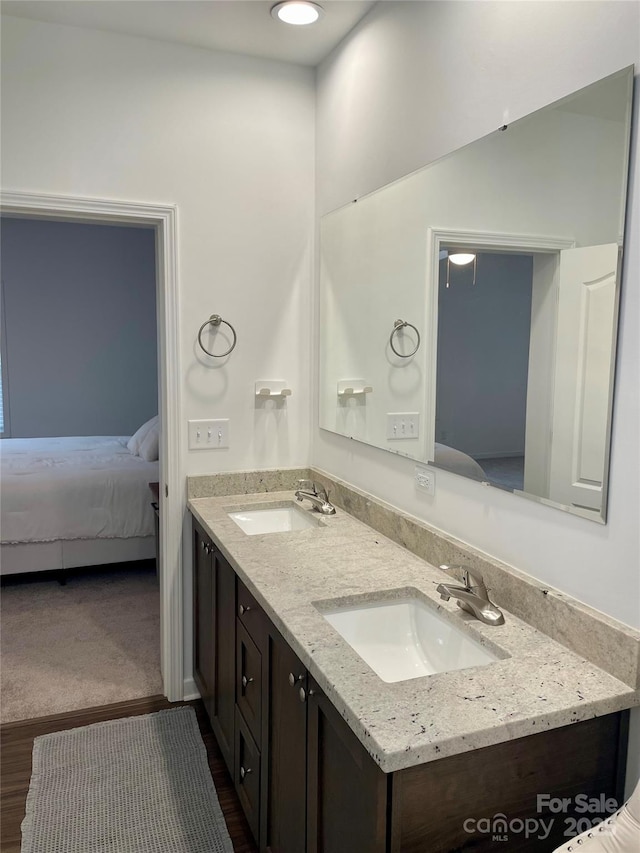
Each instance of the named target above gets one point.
<point>347,793</point>
<point>308,785</point>
<point>204,668</point>
<point>214,638</point>
<point>250,706</point>
<point>246,774</point>
<point>249,681</point>
<point>285,777</point>
<point>441,803</point>
<point>223,720</point>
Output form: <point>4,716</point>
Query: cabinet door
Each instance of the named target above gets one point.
<point>346,790</point>
<point>222,720</point>
<point>246,774</point>
<point>204,668</point>
<point>284,788</point>
<point>249,681</point>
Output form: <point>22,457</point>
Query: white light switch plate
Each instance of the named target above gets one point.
<point>208,435</point>
<point>403,425</point>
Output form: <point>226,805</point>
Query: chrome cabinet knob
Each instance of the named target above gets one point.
<point>246,681</point>
<point>302,694</point>
<point>244,609</point>
<point>293,679</point>
<point>244,771</point>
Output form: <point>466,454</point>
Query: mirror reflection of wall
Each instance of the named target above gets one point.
<point>512,383</point>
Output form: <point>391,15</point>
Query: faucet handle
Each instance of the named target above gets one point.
<point>320,491</point>
<point>307,486</point>
<point>472,580</point>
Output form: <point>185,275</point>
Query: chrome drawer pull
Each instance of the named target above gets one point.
<point>293,679</point>
<point>244,609</point>
<point>246,681</point>
<point>245,772</point>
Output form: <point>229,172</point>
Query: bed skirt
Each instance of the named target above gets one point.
<point>73,553</point>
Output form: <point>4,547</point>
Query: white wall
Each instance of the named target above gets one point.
<point>410,83</point>
<point>228,139</point>
<point>372,273</point>
<point>80,315</point>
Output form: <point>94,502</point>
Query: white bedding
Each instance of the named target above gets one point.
<point>458,462</point>
<point>74,488</point>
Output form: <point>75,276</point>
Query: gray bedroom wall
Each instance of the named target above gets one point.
<point>80,312</point>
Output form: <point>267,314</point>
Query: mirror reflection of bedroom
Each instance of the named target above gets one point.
<point>79,451</point>
<point>484,328</point>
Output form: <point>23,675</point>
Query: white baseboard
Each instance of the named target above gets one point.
<point>190,691</point>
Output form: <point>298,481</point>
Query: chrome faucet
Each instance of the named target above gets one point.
<point>472,597</point>
<point>317,494</point>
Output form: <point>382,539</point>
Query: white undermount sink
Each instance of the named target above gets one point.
<point>406,638</point>
<point>278,519</point>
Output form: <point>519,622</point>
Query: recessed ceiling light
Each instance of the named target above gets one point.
<point>461,258</point>
<point>298,12</point>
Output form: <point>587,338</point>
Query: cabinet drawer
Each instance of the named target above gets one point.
<point>247,774</point>
<point>250,614</point>
<point>249,680</point>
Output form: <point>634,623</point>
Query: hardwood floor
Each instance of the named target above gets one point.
<point>16,743</point>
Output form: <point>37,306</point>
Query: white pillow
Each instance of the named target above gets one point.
<point>150,447</point>
<point>135,442</point>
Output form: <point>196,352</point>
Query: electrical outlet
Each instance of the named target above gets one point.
<point>208,435</point>
<point>425,479</point>
<point>403,425</point>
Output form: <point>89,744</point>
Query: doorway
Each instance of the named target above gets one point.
<point>163,220</point>
<point>484,322</point>
<point>491,371</point>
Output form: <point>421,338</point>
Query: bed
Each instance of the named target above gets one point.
<point>74,501</point>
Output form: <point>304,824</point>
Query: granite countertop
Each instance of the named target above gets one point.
<point>537,685</point>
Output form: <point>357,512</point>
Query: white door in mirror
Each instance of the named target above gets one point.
<point>583,374</point>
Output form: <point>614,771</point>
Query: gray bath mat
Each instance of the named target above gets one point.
<point>138,785</point>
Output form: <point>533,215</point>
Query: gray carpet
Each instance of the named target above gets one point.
<point>138,785</point>
<point>507,471</point>
<point>92,642</point>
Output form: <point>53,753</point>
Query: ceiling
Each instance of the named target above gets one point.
<point>238,26</point>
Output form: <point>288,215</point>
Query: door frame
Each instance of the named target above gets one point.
<point>495,241</point>
<point>163,218</point>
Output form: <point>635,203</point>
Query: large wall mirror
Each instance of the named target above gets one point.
<point>469,310</point>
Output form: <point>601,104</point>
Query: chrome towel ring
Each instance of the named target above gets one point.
<point>216,320</point>
<point>400,324</point>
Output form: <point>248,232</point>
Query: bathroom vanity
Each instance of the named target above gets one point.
<point>326,756</point>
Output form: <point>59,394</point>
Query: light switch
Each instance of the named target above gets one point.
<point>403,425</point>
<point>208,435</point>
